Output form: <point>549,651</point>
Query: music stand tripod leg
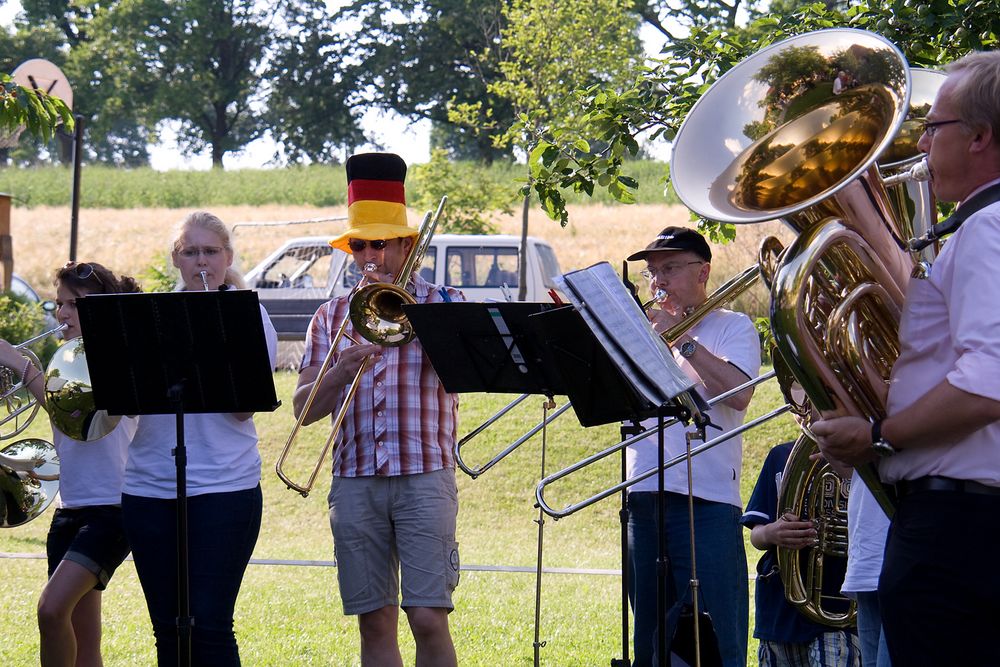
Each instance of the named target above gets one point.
<point>547,405</point>
<point>184,619</point>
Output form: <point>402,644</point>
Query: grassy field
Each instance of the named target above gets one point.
<point>290,615</point>
<point>318,185</point>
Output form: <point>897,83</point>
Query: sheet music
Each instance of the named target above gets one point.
<point>623,330</point>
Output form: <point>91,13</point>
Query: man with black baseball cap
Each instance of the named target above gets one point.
<point>719,352</point>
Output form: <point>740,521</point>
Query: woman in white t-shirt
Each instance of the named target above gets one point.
<point>86,541</point>
<point>223,485</point>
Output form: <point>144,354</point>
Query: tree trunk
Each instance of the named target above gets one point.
<point>522,279</point>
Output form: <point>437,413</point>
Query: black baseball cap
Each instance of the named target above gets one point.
<point>676,238</point>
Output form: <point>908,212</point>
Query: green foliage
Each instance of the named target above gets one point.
<point>929,34</point>
<point>430,55</point>
<point>472,194</point>
<point>37,111</point>
<point>160,276</point>
<point>21,320</point>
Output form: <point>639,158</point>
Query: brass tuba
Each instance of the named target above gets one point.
<point>811,489</point>
<point>772,140</point>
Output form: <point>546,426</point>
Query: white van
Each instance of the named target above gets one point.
<point>304,272</point>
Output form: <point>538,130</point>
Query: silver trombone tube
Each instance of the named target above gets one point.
<point>680,458</point>
<point>617,447</point>
<point>476,472</point>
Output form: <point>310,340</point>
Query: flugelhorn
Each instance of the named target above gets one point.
<point>376,313</point>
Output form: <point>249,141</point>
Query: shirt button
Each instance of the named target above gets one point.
<point>380,443</point>
<point>380,413</point>
<point>378,384</point>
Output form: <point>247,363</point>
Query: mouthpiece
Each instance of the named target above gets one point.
<point>370,266</point>
<point>204,279</point>
<point>918,172</point>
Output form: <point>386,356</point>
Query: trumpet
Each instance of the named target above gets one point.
<point>376,312</point>
<point>21,406</point>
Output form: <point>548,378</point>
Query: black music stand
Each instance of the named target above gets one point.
<point>486,347</point>
<point>177,353</point>
<point>643,381</point>
<point>491,347</point>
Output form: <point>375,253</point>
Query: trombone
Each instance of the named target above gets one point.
<point>680,458</point>
<point>376,311</point>
<point>734,287</point>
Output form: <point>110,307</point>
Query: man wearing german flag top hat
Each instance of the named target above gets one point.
<point>393,501</point>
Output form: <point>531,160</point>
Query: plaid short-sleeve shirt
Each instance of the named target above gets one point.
<point>401,421</point>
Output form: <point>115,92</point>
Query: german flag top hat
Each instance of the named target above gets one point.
<point>376,201</point>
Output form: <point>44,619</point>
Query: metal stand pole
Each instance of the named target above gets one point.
<point>627,431</point>
<point>74,221</point>
<point>538,644</point>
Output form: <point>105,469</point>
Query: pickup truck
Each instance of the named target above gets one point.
<point>294,280</point>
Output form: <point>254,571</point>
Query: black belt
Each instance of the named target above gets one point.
<point>907,486</point>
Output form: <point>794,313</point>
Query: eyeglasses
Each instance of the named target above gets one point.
<point>357,245</point>
<point>931,127</point>
<point>665,271</point>
<point>84,271</point>
<point>194,251</point>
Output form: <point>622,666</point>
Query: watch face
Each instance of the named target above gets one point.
<point>688,348</point>
<point>883,448</point>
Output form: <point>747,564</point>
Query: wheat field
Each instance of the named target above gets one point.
<point>131,240</point>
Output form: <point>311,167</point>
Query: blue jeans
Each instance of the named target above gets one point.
<point>222,532</point>
<point>874,652</point>
<point>722,570</point>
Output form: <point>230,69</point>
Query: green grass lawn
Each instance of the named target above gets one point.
<point>290,615</point>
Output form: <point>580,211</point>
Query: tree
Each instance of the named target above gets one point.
<point>310,110</point>
<point>104,93</point>
<point>549,51</point>
<point>928,33</point>
<point>416,57</point>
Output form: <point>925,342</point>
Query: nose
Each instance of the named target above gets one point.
<point>924,143</point>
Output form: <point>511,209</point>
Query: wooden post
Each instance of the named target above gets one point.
<point>6,243</point>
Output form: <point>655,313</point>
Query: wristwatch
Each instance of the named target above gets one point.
<point>879,443</point>
<point>688,348</point>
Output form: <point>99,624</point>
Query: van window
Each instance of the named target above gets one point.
<point>482,266</point>
<point>550,265</point>
<point>427,267</point>
<point>303,267</point>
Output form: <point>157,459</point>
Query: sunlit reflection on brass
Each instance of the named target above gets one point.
<point>25,496</point>
<point>812,491</point>
<point>69,396</point>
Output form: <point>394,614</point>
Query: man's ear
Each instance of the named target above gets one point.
<point>982,139</point>
<point>704,272</point>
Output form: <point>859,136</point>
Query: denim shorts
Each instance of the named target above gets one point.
<point>391,528</point>
<point>90,536</point>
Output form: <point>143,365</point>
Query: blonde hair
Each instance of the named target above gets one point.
<point>211,223</point>
<point>977,94</point>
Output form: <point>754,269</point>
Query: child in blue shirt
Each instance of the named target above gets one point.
<point>787,637</point>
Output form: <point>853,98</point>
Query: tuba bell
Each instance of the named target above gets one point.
<point>772,139</point>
